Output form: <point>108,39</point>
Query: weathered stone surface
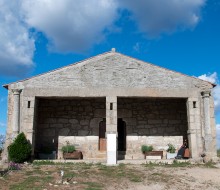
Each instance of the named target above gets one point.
<point>100,113</point>
<point>64,132</point>
<point>83,132</point>
<point>84,122</point>
<point>49,132</point>
<point>114,75</point>
<point>94,123</point>
<point>73,121</point>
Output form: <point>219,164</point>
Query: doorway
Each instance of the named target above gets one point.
<point>121,128</point>
<point>102,139</point>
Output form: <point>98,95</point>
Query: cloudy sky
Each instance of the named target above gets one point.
<point>40,35</point>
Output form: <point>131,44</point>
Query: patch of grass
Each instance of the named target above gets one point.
<point>32,182</point>
<point>43,162</point>
<point>93,186</point>
<point>179,164</point>
<point>210,164</point>
<point>134,177</point>
<point>159,177</point>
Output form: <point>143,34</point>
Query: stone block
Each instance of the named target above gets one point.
<point>124,113</point>
<point>64,132</point>
<point>83,132</point>
<point>174,121</point>
<point>84,122</point>
<point>155,121</point>
<point>56,125</point>
<point>50,120</point>
<point>73,121</point>
<point>62,120</point>
<point>100,113</point>
<point>49,132</point>
<point>94,122</point>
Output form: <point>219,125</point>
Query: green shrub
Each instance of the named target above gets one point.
<point>145,148</point>
<point>68,148</point>
<point>20,150</point>
<point>171,148</point>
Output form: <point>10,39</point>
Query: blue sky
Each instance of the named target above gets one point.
<point>40,35</point>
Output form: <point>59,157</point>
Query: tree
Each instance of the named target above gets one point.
<point>20,150</point>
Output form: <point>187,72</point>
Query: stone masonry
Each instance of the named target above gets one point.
<point>68,117</point>
<point>154,117</point>
<point>174,104</point>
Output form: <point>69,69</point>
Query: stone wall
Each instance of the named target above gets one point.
<point>134,144</point>
<point>153,117</point>
<point>88,145</point>
<point>67,117</point>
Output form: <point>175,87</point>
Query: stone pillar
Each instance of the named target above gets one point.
<point>111,130</point>
<point>207,127</point>
<point>192,128</point>
<point>16,111</point>
<point>29,119</point>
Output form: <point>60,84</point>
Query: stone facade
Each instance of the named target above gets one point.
<point>173,104</point>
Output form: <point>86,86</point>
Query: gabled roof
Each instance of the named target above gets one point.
<point>102,61</point>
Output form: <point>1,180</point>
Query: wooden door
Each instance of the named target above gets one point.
<point>102,139</point>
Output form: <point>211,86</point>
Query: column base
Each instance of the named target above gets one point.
<point>111,149</point>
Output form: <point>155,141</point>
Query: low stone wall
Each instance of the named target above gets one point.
<point>88,145</point>
<point>134,144</point>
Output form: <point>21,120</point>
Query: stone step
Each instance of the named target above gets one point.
<point>101,154</point>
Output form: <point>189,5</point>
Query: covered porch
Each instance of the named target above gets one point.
<point>109,129</point>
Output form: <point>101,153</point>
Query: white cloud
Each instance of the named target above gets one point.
<point>16,45</point>
<point>213,78</point>
<point>74,26</point>
<point>155,17</point>
<point>70,25</point>
<point>218,135</point>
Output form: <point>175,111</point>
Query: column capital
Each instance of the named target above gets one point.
<point>206,94</point>
<point>16,91</point>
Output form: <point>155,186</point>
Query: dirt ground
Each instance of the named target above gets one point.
<point>97,176</point>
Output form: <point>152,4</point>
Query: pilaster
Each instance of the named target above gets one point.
<point>194,127</point>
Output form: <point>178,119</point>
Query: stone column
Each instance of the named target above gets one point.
<point>16,111</point>
<point>111,130</point>
<point>207,126</point>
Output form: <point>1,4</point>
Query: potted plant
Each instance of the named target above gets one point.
<point>70,152</point>
<point>149,153</point>
<point>171,151</point>
<point>145,149</point>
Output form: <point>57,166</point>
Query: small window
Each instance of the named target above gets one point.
<point>111,106</point>
<point>194,104</point>
<point>29,104</point>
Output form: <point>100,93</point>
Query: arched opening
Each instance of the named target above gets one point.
<point>122,133</point>
<point>102,139</point>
